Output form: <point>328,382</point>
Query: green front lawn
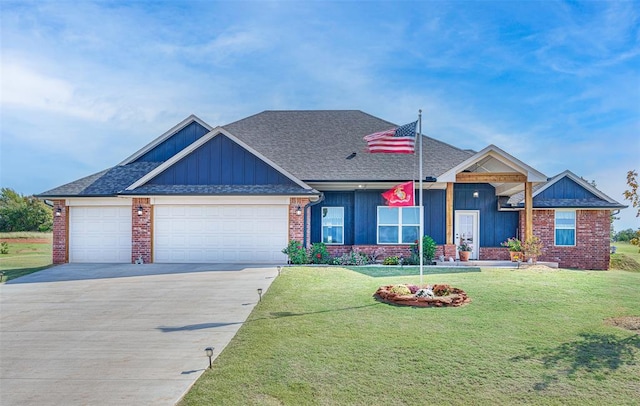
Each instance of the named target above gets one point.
<point>627,257</point>
<point>25,257</point>
<point>528,337</point>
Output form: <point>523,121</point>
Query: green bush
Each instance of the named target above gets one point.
<point>4,247</point>
<point>392,260</point>
<point>318,254</point>
<point>296,253</point>
<point>428,252</point>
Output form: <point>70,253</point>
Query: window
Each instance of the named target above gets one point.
<point>398,225</point>
<point>333,225</point>
<point>565,227</point>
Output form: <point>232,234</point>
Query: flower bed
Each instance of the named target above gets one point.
<point>410,295</point>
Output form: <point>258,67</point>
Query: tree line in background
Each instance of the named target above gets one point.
<point>23,213</point>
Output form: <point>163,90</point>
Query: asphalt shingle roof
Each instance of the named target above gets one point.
<point>106,183</point>
<point>313,146</point>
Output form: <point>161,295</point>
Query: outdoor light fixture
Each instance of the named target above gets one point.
<point>298,210</point>
<point>139,210</point>
<point>58,211</point>
<point>260,293</point>
<point>476,194</point>
<point>209,352</point>
<point>279,268</point>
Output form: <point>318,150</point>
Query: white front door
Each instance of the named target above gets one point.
<point>467,230</point>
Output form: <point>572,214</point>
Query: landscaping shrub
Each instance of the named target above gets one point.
<point>392,260</point>
<point>441,290</point>
<point>318,254</point>
<point>296,253</point>
<point>353,258</point>
<point>401,290</point>
<point>428,252</point>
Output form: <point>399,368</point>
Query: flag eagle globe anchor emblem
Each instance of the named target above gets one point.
<point>400,195</point>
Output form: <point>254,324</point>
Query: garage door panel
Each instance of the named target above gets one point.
<point>100,234</point>
<point>219,233</point>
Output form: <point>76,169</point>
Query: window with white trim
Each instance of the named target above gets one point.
<point>565,227</point>
<point>398,225</point>
<point>333,225</point>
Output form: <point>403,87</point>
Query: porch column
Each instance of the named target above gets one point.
<point>449,215</point>
<point>528,210</point>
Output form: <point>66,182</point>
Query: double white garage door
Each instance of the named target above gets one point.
<point>183,233</point>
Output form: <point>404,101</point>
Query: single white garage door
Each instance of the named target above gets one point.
<point>100,234</point>
<point>220,233</point>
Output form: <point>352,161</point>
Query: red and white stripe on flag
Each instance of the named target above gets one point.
<point>400,140</point>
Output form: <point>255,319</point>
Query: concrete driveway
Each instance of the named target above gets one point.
<point>118,334</point>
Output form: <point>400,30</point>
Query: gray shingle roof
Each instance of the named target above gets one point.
<point>106,183</point>
<point>313,146</point>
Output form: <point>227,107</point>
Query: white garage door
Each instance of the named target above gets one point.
<point>220,233</point>
<point>100,234</point>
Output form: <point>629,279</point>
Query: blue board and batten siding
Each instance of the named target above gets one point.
<point>221,161</point>
<point>174,144</point>
<point>495,226</point>
<point>565,188</point>
<point>360,214</point>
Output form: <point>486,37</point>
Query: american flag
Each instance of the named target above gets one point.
<point>401,140</point>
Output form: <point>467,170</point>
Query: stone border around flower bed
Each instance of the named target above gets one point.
<point>457,297</point>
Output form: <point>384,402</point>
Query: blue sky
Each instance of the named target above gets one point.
<point>556,84</point>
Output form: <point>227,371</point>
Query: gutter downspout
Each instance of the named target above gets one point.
<point>304,224</point>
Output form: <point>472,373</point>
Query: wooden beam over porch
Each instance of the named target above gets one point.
<point>528,210</point>
<point>490,177</point>
<point>449,212</point>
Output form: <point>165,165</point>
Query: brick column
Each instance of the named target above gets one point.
<point>60,232</point>
<point>296,221</point>
<point>449,251</point>
<point>141,230</point>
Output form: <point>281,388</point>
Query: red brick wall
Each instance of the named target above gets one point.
<point>380,251</point>
<point>60,232</point>
<point>141,230</point>
<point>494,254</point>
<point>592,239</point>
<point>296,221</point>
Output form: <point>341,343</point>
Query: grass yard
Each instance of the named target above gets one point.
<point>627,257</point>
<point>534,337</point>
<point>28,253</point>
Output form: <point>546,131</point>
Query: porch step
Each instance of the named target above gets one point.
<point>494,264</point>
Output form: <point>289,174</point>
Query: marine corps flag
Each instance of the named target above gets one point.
<point>400,195</point>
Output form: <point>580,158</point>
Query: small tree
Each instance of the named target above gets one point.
<point>632,194</point>
<point>533,248</point>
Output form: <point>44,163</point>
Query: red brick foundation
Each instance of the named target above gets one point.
<point>494,254</point>
<point>141,230</point>
<point>60,232</point>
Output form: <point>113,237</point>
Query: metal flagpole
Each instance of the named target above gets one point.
<point>420,194</point>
